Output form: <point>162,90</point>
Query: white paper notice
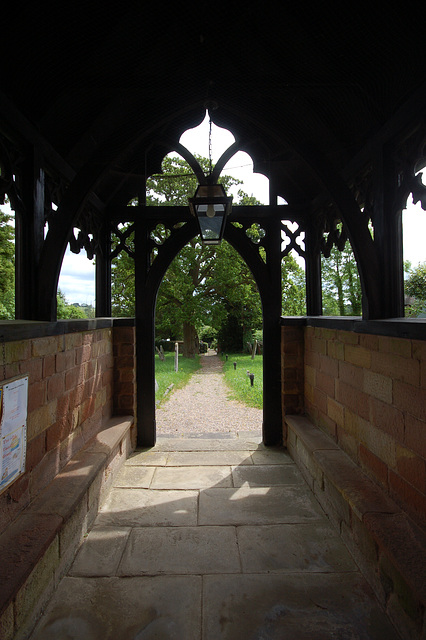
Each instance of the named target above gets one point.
<point>13,430</point>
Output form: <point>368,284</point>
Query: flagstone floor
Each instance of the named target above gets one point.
<point>210,539</point>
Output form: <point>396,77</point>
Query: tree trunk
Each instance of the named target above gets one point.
<point>190,340</point>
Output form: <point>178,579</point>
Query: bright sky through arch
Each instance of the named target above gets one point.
<point>240,166</point>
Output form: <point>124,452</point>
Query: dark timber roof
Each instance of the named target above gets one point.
<point>299,84</point>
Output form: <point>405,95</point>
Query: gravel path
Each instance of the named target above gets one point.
<point>202,406</point>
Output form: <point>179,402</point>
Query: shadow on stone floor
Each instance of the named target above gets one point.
<point>201,539</point>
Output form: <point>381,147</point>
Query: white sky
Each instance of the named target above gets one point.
<point>77,279</point>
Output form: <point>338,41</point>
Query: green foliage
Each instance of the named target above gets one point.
<point>196,289</point>
<point>87,309</point>
<point>234,298</point>
<point>239,382</point>
<point>66,311</point>
<point>177,182</point>
<point>7,305</point>
<point>123,282</point>
<point>415,287</point>
<point>207,334</point>
<point>7,267</point>
<point>212,286</point>
<point>293,287</point>
<point>165,375</point>
<point>416,283</point>
<point>230,335</point>
<point>167,345</point>
<point>341,286</point>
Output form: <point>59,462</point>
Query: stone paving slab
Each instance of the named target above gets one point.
<point>134,476</point>
<point>257,561</point>
<point>148,457</point>
<point>257,505</point>
<point>300,607</point>
<point>191,477</point>
<point>101,552</point>
<point>266,475</point>
<point>213,458</point>
<point>271,456</point>
<point>139,608</point>
<point>145,507</point>
<point>249,435</point>
<point>310,547</point>
<point>201,444</point>
<point>181,550</point>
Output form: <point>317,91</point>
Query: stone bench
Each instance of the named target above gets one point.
<point>388,546</point>
<point>38,547</point>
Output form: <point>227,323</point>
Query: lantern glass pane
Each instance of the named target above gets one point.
<point>210,227</point>
<point>218,208</point>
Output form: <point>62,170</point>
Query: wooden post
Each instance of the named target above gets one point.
<point>103,274</point>
<point>272,417</point>
<point>29,237</point>
<point>253,352</point>
<point>312,273</point>
<point>176,357</point>
<point>145,332</point>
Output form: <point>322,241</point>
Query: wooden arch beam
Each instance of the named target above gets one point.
<point>148,280</point>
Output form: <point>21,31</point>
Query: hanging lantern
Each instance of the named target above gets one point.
<point>210,206</point>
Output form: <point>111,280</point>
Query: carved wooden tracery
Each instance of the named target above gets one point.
<point>263,235</point>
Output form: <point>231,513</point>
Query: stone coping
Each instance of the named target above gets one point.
<point>400,539</point>
<point>411,328</point>
<point>11,330</point>
<point>25,542</point>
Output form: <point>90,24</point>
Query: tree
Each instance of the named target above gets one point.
<point>123,283</point>
<point>235,305</point>
<point>415,287</point>
<point>7,267</point>
<point>293,287</point>
<point>66,311</point>
<point>198,280</point>
<point>341,285</point>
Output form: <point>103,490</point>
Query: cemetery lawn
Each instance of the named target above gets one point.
<point>239,382</point>
<point>165,373</point>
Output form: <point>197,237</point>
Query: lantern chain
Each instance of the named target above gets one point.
<point>210,147</point>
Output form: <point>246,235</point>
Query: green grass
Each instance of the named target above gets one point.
<point>238,381</point>
<point>166,375</point>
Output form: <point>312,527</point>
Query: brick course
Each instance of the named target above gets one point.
<point>368,392</point>
<point>69,394</point>
<point>124,376</point>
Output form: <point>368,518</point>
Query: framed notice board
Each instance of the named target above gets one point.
<point>13,429</point>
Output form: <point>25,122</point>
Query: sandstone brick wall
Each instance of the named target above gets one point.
<point>70,393</point>
<point>369,393</point>
<point>292,375</point>
<point>124,342</point>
